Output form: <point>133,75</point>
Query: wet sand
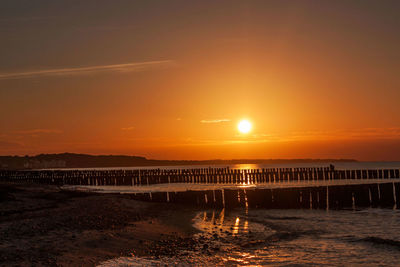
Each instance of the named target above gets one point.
<point>46,226</point>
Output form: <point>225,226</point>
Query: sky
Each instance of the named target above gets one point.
<point>172,79</point>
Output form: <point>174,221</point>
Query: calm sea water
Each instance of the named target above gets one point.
<point>367,237</point>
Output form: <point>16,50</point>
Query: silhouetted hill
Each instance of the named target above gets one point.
<point>71,160</point>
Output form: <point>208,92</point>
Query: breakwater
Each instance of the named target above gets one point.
<point>266,188</point>
<point>194,176</point>
<point>312,196</point>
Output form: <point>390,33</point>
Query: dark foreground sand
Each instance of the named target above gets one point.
<point>45,226</point>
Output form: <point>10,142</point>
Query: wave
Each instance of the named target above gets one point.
<point>132,262</point>
<point>381,241</point>
<point>274,238</point>
<point>270,217</point>
<point>285,231</point>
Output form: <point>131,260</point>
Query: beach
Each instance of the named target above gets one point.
<point>42,225</point>
<point>45,226</point>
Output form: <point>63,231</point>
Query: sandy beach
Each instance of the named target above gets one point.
<point>46,226</point>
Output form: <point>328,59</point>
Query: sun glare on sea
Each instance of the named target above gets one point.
<point>244,126</point>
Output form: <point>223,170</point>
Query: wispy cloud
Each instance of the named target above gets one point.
<point>365,134</point>
<point>25,19</point>
<point>107,28</point>
<point>127,67</point>
<point>215,121</point>
<point>39,131</point>
<point>9,145</point>
<point>130,128</point>
<point>346,134</point>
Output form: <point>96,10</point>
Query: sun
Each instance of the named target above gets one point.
<point>244,126</point>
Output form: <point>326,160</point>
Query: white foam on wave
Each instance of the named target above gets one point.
<point>132,262</point>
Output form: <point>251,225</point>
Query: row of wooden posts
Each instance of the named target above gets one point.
<point>200,175</point>
<point>385,194</point>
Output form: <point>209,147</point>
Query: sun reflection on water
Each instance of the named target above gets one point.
<point>246,166</point>
<point>246,227</point>
<point>205,216</point>
<point>235,230</point>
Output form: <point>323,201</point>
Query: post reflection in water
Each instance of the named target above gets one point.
<point>227,232</point>
<point>246,227</point>
<point>235,230</point>
<point>245,199</point>
<point>235,225</point>
<point>221,217</point>
<point>246,203</point>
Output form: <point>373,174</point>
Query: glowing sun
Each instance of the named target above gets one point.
<point>244,126</point>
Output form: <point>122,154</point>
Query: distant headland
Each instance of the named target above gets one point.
<point>72,160</point>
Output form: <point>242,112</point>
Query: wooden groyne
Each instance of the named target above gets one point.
<point>264,188</point>
<point>385,194</point>
<point>195,176</point>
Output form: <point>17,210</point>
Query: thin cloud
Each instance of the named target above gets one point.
<point>130,128</point>
<point>40,131</point>
<point>366,134</point>
<point>215,121</point>
<point>25,19</point>
<point>127,67</point>
<point>9,145</point>
<point>107,28</point>
<point>347,134</point>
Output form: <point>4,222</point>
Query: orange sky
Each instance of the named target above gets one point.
<point>171,79</point>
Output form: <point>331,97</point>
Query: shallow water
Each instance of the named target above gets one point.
<point>260,237</point>
<point>181,187</point>
<point>287,237</point>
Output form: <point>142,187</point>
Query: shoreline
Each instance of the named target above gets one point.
<point>183,187</point>
<point>46,225</point>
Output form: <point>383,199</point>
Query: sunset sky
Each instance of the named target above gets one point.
<point>172,79</point>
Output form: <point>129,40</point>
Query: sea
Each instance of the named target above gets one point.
<point>259,237</point>
<point>290,237</point>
